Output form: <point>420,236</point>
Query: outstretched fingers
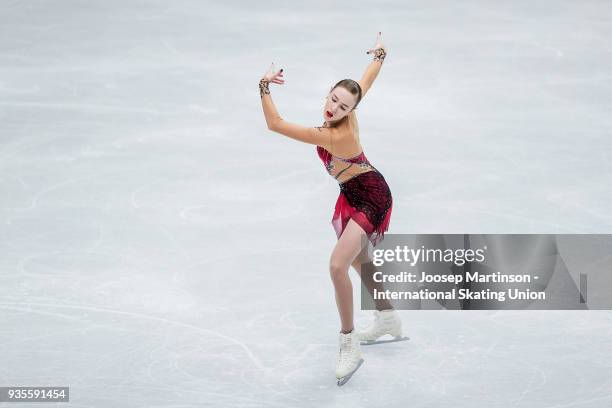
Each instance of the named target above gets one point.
<point>378,43</point>
<point>278,77</point>
<point>274,76</point>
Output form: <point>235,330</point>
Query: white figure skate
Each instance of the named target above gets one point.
<point>349,357</point>
<point>385,322</point>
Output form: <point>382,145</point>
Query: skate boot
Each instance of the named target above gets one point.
<point>349,357</point>
<point>385,322</point>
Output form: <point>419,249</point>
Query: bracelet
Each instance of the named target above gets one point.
<point>379,54</point>
<point>263,87</point>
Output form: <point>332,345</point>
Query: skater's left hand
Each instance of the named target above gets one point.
<point>274,77</point>
<point>379,44</point>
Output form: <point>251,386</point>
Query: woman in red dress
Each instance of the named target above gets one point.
<point>363,208</point>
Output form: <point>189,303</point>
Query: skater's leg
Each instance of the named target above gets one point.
<point>347,248</point>
<point>363,258</point>
<point>386,322</point>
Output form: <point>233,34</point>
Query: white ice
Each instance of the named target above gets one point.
<point>160,247</point>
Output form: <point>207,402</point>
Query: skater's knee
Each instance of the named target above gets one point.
<point>337,270</point>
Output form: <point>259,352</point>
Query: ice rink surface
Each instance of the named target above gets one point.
<point>161,248</point>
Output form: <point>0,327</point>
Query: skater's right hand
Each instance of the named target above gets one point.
<point>274,77</point>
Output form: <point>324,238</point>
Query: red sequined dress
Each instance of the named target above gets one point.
<point>364,195</point>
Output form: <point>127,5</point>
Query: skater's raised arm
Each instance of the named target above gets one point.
<point>379,51</point>
<point>320,136</point>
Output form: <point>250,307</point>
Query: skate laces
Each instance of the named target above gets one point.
<point>346,347</point>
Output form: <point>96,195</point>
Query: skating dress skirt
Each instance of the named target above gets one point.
<point>364,195</point>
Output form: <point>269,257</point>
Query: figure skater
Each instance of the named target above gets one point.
<point>363,208</point>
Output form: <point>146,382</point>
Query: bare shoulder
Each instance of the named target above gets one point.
<point>344,133</point>
<point>344,142</point>
<point>328,136</point>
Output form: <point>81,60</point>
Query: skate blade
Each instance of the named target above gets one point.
<point>344,380</point>
<point>393,340</point>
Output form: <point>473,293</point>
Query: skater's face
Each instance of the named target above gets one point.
<point>339,103</point>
